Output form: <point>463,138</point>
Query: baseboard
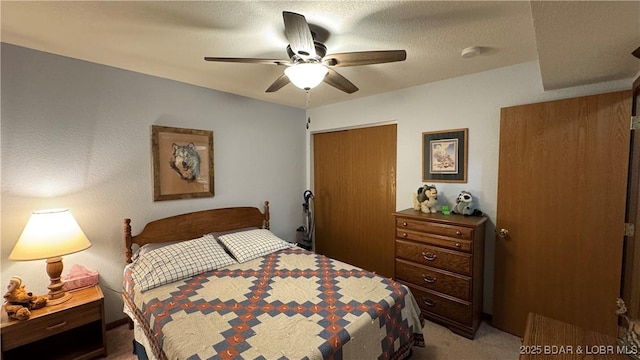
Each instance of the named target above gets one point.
<point>115,324</point>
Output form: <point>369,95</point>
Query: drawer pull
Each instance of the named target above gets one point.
<point>428,302</point>
<point>458,232</point>
<point>404,235</point>
<point>457,245</point>
<point>53,327</point>
<point>429,256</point>
<point>428,279</point>
<point>404,224</point>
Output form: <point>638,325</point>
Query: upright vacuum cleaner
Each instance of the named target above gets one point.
<point>304,234</point>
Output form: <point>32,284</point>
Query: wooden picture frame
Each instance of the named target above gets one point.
<point>182,163</point>
<point>444,156</point>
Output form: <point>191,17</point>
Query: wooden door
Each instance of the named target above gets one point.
<point>631,259</point>
<point>355,196</point>
<point>562,184</point>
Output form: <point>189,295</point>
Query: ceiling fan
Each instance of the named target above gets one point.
<point>309,64</point>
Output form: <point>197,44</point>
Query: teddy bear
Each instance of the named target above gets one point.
<point>425,199</point>
<point>464,205</point>
<point>19,302</point>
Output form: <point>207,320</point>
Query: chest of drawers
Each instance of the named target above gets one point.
<point>441,259</point>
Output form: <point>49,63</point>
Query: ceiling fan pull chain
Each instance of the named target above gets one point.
<point>307,109</point>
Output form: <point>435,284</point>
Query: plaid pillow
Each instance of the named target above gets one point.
<point>179,261</point>
<point>247,245</point>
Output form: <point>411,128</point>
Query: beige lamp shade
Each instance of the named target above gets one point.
<point>48,234</point>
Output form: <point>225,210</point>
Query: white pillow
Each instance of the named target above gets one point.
<point>179,261</point>
<point>247,245</point>
<point>150,247</point>
<point>153,246</point>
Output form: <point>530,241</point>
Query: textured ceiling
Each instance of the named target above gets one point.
<point>576,43</point>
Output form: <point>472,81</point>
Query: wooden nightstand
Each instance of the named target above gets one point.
<point>72,330</point>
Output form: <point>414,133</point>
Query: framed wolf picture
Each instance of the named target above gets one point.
<point>182,163</point>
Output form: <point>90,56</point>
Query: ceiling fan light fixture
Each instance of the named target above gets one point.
<point>308,64</point>
<point>306,76</point>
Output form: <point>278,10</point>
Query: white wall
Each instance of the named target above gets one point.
<point>78,135</point>
<point>471,102</point>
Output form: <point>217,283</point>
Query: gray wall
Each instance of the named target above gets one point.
<point>78,135</point>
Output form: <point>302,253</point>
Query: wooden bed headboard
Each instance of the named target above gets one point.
<point>194,225</point>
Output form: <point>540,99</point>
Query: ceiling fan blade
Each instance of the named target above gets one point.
<point>636,53</point>
<point>364,58</point>
<point>248,60</point>
<point>298,33</point>
<point>340,82</point>
<point>278,84</point>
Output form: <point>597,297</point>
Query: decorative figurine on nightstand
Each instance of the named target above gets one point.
<point>19,302</point>
<point>464,205</point>
<point>425,199</point>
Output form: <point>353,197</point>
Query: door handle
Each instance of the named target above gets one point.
<point>503,233</point>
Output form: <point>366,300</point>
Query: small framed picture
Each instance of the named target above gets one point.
<point>182,163</point>
<point>444,156</point>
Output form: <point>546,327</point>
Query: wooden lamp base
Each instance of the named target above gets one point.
<point>56,294</point>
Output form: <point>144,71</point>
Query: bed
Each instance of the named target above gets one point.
<point>272,300</point>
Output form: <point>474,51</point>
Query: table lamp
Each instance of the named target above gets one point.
<point>49,234</point>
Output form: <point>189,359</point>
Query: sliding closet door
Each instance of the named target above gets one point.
<point>354,185</point>
<point>334,198</point>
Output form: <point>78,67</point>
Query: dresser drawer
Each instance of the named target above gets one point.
<point>464,245</point>
<point>450,308</point>
<point>456,232</point>
<point>433,256</point>
<point>34,329</point>
<point>430,278</point>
